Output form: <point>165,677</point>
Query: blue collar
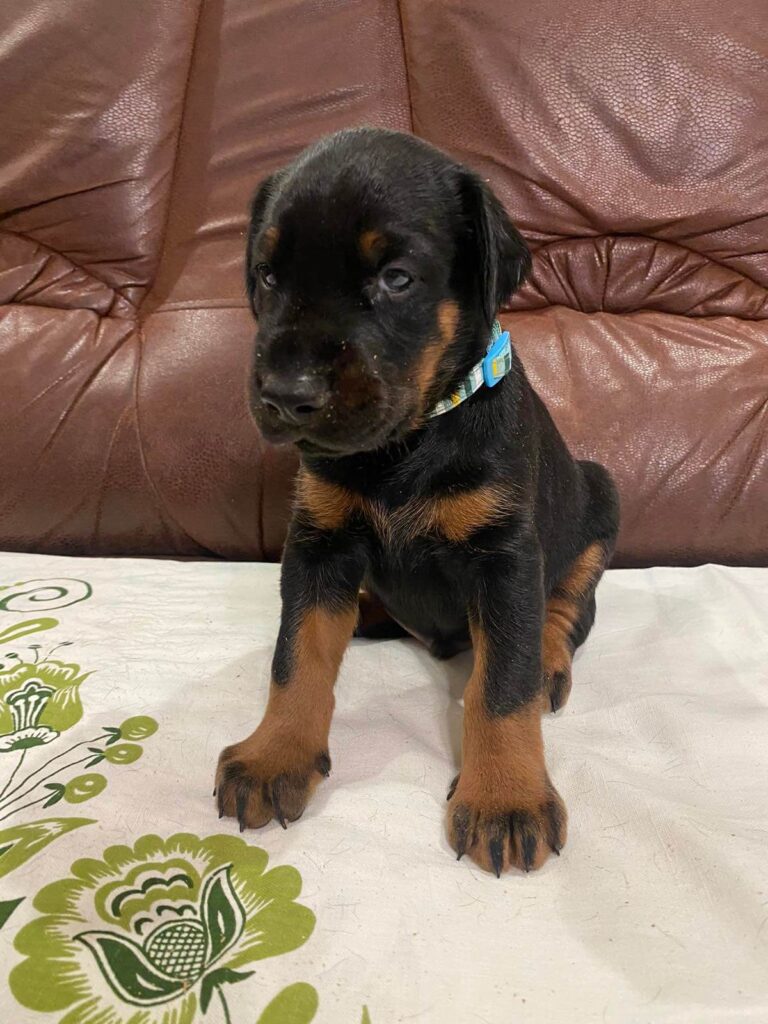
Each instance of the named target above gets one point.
<point>494,365</point>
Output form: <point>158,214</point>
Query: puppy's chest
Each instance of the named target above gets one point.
<point>397,521</point>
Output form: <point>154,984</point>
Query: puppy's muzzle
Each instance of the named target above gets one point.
<point>294,400</point>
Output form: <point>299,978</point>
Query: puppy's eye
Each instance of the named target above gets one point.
<point>395,279</point>
<point>266,276</point>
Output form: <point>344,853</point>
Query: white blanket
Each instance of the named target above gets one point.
<point>657,911</point>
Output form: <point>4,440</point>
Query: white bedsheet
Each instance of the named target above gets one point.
<point>657,911</point>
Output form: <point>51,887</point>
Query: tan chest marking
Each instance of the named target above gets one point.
<point>329,505</point>
<point>453,516</point>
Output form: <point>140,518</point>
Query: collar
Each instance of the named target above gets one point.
<point>494,365</point>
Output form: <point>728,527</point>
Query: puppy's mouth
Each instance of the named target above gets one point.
<point>350,441</point>
<point>323,450</point>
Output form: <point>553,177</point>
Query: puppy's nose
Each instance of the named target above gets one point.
<point>294,399</point>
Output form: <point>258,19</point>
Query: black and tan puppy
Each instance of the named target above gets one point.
<point>376,266</point>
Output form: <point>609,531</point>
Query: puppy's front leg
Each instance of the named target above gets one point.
<point>503,809</point>
<point>273,772</point>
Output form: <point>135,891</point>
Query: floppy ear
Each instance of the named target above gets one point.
<point>259,203</point>
<point>501,260</point>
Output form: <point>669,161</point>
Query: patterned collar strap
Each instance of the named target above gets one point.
<point>494,365</point>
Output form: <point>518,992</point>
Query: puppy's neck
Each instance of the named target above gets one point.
<point>443,453</point>
<point>471,363</point>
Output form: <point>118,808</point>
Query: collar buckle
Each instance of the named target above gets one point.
<point>498,360</point>
<point>495,364</point>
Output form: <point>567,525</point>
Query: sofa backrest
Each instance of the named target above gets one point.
<point>629,142</point>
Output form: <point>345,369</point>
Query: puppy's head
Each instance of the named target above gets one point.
<point>375,267</point>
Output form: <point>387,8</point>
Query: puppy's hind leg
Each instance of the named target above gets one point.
<point>571,607</point>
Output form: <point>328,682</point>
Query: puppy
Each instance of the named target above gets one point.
<point>435,495</point>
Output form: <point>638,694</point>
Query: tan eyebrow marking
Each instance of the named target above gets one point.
<point>270,240</point>
<point>371,244</point>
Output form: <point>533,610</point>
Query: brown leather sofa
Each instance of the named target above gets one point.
<point>629,140</point>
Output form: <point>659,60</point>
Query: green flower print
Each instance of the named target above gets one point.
<point>38,701</point>
<point>23,739</point>
<point>160,928</point>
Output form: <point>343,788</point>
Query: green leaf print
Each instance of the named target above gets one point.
<point>296,1004</point>
<point>128,971</point>
<point>20,842</point>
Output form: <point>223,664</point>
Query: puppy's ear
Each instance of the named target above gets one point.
<point>259,203</point>
<point>499,256</point>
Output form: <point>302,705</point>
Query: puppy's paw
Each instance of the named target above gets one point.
<point>556,688</point>
<point>499,834</point>
<point>255,782</point>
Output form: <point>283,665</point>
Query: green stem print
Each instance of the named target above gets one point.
<point>225,1008</point>
<point>32,803</point>
<point>20,796</point>
<point>19,763</point>
<point>26,793</point>
<point>81,787</point>
<point>97,739</point>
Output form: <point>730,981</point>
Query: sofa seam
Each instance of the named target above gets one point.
<point>406,61</point>
<point>175,161</point>
<point>645,311</point>
<point>506,311</point>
